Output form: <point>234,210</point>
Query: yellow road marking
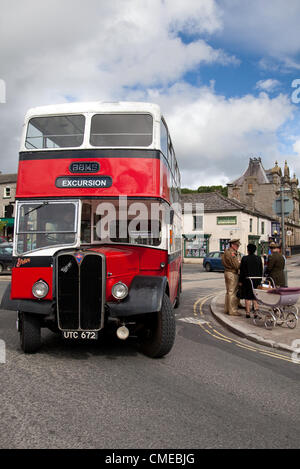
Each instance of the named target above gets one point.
<point>279,357</point>
<point>246,347</point>
<point>200,302</point>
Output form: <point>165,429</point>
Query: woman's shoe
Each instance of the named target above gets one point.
<point>248,316</point>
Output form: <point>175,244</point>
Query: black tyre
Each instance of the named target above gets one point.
<point>1,268</point>
<point>159,332</point>
<point>30,332</point>
<point>208,267</point>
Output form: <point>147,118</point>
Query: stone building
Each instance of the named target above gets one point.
<point>8,184</point>
<point>210,220</point>
<point>258,189</point>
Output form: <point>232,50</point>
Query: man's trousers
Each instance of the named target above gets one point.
<point>231,300</point>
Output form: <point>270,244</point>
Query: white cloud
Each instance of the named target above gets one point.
<point>296,146</point>
<point>140,49</point>
<point>270,28</point>
<point>268,85</point>
<point>55,51</point>
<point>194,16</point>
<point>214,136</point>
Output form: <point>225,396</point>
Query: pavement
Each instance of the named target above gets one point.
<point>280,337</point>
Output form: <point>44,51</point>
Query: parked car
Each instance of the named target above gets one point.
<point>213,261</point>
<point>6,258</point>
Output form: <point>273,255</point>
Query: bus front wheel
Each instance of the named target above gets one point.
<point>30,332</point>
<point>159,331</point>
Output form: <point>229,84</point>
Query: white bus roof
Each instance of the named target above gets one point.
<point>95,107</point>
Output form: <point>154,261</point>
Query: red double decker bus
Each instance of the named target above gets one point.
<point>97,241</point>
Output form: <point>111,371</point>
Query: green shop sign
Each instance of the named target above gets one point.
<point>226,220</point>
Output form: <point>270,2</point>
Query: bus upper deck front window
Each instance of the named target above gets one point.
<point>121,130</point>
<point>55,132</point>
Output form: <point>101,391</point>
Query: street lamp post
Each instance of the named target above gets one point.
<point>283,206</point>
<point>283,247</point>
<point>282,220</point>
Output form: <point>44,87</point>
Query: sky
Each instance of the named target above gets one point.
<point>226,73</point>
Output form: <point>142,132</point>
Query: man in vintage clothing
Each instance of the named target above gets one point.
<point>231,260</point>
<point>275,266</point>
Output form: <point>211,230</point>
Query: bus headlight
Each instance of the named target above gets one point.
<point>119,291</point>
<point>40,289</point>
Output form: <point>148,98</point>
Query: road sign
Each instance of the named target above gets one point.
<point>288,206</point>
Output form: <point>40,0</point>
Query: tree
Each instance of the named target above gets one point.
<point>221,189</point>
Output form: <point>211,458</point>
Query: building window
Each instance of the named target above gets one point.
<point>8,211</point>
<point>226,220</point>
<point>196,246</point>
<point>197,223</point>
<point>224,244</point>
<point>262,227</point>
<point>250,225</point>
<point>7,192</point>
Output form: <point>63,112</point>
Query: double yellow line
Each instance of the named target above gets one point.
<point>209,329</point>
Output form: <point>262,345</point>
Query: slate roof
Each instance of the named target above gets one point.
<point>255,169</point>
<point>8,178</point>
<point>216,202</point>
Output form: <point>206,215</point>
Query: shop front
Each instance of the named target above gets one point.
<point>195,246</point>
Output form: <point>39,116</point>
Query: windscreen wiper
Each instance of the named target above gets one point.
<point>36,208</point>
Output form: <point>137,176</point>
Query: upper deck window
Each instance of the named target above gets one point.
<point>121,130</point>
<point>55,132</point>
<point>163,139</point>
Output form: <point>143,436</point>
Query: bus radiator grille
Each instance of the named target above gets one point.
<point>80,291</point>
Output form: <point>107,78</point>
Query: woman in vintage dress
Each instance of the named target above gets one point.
<point>251,266</point>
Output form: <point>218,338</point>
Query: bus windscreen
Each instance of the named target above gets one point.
<point>45,224</point>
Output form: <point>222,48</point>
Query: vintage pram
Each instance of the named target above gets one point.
<point>280,302</point>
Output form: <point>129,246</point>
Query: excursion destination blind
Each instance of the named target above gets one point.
<point>82,182</point>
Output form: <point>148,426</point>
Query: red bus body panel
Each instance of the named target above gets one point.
<point>134,177</point>
<point>23,279</point>
<point>123,263</point>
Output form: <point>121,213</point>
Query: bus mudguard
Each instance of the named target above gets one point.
<point>29,306</point>
<point>145,296</point>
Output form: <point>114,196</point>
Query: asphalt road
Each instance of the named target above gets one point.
<point>213,390</point>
